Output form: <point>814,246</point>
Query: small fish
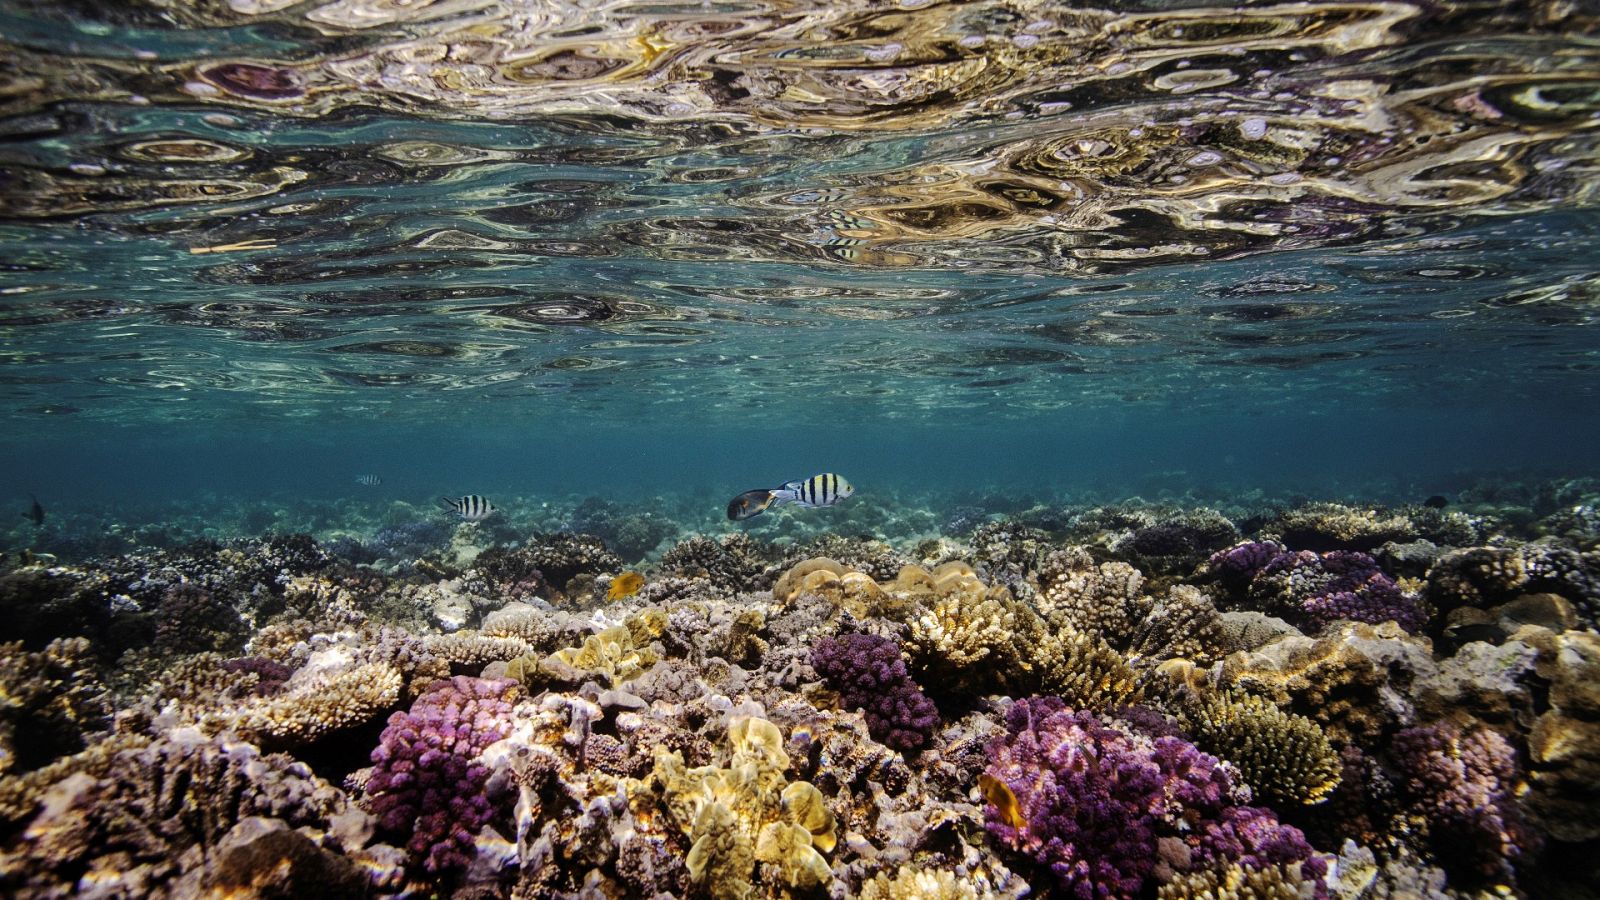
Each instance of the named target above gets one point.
<point>1437,501</point>
<point>625,585</point>
<point>471,508</point>
<point>1004,800</point>
<point>35,512</point>
<point>369,480</point>
<point>817,491</point>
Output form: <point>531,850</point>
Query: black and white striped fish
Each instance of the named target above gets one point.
<point>816,491</point>
<point>369,480</point>
<point>472,507</point>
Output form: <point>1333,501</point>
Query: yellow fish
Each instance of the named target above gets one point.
<point>625,585</point>
<point>999,793</point>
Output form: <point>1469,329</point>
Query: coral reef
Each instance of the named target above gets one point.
<point>1114,700</point>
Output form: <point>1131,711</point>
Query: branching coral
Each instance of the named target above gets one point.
<point>1081,669</point>
<point>1106,600</point>
<point>1463,783</point>
<point>869,674</point>
<point>1236,882</point>
<point>732,564</point>
<point>1284,758</point>
<point>1486,576</point>
<point>965,641</point>
<point>1097,808</point>
<point>911,883</point>
<point>49,701</point>
<point>472,651</point>
<point>318,705</point>
<point>1184,625</point>
<point>1313,590</point>
<point>744,812</point>
<point>427,785</point>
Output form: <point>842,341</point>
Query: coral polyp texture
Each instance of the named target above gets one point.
<point>1076,701</point>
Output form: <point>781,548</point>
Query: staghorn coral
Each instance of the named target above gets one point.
<point>1106,600</point>
<point>869,675</point>
<point>1334,526</point>
<point>1097,808</point>
<point>745,811</point>
<point>427,785</point>
<point>1286,759</point>
<point>51,703</point>
<point>315,704</point>
<point>1462,782</point>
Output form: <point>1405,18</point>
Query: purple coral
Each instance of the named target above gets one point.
<point>1463,783</point>
<point>869,675</point>
<point>1314,590</point>
<point>1094,802</point>
<point>1242,561</point>
<point>426,780</point>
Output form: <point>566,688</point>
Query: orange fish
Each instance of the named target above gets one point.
<point>625,585</point>
<point>999,793</point>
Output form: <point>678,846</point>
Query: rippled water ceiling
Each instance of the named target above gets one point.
<point>1003,205</point>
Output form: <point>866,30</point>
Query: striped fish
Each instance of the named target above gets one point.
<point>471,508</point>
<point>369,480</point>
<point>817,491</point>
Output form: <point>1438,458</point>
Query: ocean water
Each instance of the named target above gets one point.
<point>1099,270</point>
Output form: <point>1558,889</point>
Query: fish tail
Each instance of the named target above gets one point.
<point>751,504</point>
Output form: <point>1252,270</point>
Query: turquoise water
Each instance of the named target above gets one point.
<point>1076,296</point>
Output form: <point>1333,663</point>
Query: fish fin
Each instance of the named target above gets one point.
<point>792,485</point>
<point>447,503</point>
<point>750,504</point>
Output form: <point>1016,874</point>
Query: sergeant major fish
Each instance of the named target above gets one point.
<point>368,480</point>
<point>816,491</point>
<point>471,508</point>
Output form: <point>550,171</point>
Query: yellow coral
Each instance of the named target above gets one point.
<point>610,655</point>
<point>744,812</point>
<point>1284,758</point>
<point>1084,671</point>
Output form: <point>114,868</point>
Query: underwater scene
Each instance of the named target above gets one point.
<point>896,449</point>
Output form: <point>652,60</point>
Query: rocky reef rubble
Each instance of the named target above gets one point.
<point>1328,701</point>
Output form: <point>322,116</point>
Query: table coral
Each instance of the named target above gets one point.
<point>427,785</point>
<point>315,706</point>
<point>869,674</point>
<point>1334,526</point>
